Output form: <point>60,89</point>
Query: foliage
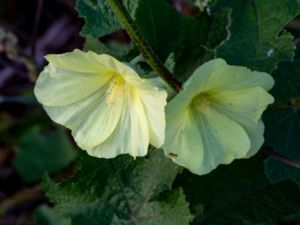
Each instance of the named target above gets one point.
<point>99,18</point>
<point>122,191</point>
<point>283,121</point>
<point>239,194</point>
<point>256,38</point>
<point>39,153</point>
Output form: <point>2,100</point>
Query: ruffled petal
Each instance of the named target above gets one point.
<point>66,86</point>
<point>82,62</point>
<point>91,120</point>
<point>131,135</point>
<point>217,75</point>
<point>154,102</point>
<point>256,136</point>
<point>90,62</point>
<point>245,107</point>
<point>223,140</point>
<point>255,129</point>
<point>183,140</point>
<point>249,102</point>
<point>238,77</point>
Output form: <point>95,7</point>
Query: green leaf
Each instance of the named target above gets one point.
<point>39,153</point>
<point>122,191</point>
<point>99,18</point>
<point>118,50</point>
<point>239,194</point>
<point>169,32</point>
<point>283,121</point>
<point>218,31</point>
<point>255,35</point>
<point>283,134</point>
<point>45,215</point>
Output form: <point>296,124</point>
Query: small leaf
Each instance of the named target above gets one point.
<point>39,153</point>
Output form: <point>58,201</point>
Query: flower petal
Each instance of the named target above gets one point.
<point>154,102</point>
<point>183,140</point>
<point>90,62</point>
<point>131,135</point>
<point>248,102</point>
<point>82,62</point>
<point>239,77</point>
<point>223,140</point>
<point>91,120</point>
<point>254,129</point>
<point>202,141</point>
<point>67,86</point>
<point>217,75</point>
<point>256,135</point>
<point>245,107</point>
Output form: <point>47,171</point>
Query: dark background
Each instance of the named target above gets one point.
<point>28,31</point>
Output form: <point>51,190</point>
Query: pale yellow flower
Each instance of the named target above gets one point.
<point>216,118</point>
<point>108,107</point>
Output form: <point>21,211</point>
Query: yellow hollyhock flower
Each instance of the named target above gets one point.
<point>216,118</point>
<point>108,107</point>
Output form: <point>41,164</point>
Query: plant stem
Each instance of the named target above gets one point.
<point>147,52</point>
<point>281,158</point>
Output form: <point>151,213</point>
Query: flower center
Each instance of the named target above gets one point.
<point>115,90</point>
<point>201,103</point>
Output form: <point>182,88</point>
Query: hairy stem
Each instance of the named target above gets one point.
<point>281,158</point>
<point>147,52</point>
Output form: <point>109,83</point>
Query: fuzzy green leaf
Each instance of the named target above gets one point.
<point>255,36</point>
<point>99,19</point>
<point>121,191</point>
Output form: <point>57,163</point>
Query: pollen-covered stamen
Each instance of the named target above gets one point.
<point>115,90</point>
